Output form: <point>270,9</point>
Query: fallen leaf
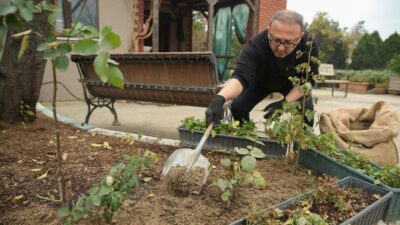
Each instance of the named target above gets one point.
<point>151,195</point>
<point>19,161</point>
<point>42,176</point>
<point>50,156</point>
<point>72,137</point>
<point>147,179</point>
<point>18,197</point>
<point>97,145</point>
<point>40,162</point>
<point>36,170</point>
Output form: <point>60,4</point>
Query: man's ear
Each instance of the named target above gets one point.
<point>302,35</point>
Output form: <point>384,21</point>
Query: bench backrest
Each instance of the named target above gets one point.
<point>326,70</point>
<point>187,78</point>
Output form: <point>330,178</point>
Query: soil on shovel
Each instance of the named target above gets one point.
<point>183,181</point>
<point>28,176</point>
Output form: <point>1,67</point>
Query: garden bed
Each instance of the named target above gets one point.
<point>28,152</point>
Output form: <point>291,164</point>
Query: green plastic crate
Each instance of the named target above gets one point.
<point>319,161</point>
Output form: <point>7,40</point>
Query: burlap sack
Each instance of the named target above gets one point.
<point>370,131</point>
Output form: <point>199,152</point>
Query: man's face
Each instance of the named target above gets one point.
<point>283,38</point>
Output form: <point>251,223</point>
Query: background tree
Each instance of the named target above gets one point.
<point>199,38</point>
<point>367,54</point>
<point>353,36</point>
<point>391,47</point>
<point>330,39</point>
<point>394,63</point>
<point>20,80</point>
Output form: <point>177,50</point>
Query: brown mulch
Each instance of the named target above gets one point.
<point>27,152</point>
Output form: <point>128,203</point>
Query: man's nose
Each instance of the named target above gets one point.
<point>281,46</point>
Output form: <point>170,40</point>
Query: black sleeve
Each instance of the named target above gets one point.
<point>245,70</point>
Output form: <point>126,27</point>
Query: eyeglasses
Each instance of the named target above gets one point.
<point>277,42</point>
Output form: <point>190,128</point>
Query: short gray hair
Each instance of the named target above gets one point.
<point>288,17</point>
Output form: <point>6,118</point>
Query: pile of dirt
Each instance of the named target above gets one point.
<point>27,152</point>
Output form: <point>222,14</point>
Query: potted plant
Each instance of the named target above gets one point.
<point>330,203</point>
<point>330,160</point>
<point>227,136</point>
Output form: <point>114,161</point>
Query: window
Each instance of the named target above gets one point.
<point>70,12</point>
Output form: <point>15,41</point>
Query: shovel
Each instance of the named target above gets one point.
<point>190,158</point>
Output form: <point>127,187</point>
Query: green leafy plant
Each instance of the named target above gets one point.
<point>25,112</point>
<point>275,216</point>
<point>389,175</point>
<point>242,172</point>
<point>107,196</point>
<point>292,129</point>
<point>247,129</point>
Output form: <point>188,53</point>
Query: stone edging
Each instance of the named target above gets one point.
<point>143,138</point>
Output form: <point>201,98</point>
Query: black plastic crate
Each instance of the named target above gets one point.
<point>368,216</point>
<point>229,142</point>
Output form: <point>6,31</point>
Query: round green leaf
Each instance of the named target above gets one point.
<point>106,30</point>
<point>93,190</point>
<point>249,178</point>
<point>225,196</point>
<point>7,9</point>
<point>100,65</point>
<point>260,182</point>
<point>77,214</point>
<point>26,13</point>
<point>111,41</point>
<point>96,200</point>
<point>225,162</point>
<point>115,76</point>
<point>63,212</point>
<point>104,190</point>
<point>241,151</point>
<point>248,163</point>
<point>257,153</point>
<point>86,47</point>
<point>64,48</point>
<point>62,62</point>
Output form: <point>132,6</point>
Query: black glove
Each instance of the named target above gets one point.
<point>215,110</point>
<point>270,109</point>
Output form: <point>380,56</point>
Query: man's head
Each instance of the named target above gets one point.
<point>285,32</point>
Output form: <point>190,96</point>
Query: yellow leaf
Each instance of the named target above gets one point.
<point>151,195</point>
<point>18,197</point>
<point>34,160</point>
<point>19,161</point>
<point>36,170</point>
<point>50,156</point>
<point>147,179</point>
<point>42,176</point>
<point>72,137</point>
<point>24,47</point>
<point>309,172</point>
<point>96,145</point>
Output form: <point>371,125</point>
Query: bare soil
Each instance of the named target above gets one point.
<point>27,152</point>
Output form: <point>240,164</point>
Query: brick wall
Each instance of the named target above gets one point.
<point>266,11</point>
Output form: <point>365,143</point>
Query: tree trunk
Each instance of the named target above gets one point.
<point>21,81</point>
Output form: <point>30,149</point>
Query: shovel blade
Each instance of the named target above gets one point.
<point>181,157</point>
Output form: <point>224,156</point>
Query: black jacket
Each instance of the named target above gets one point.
<point>257,63</point>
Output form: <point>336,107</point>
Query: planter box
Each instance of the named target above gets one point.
<point>358,87</point>
<point>379,90</point>
<point>229,142</point>
<point>368,216</point>
<point>394,85</point>
<point>318,161</point>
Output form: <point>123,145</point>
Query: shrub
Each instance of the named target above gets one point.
<point>376,77</point>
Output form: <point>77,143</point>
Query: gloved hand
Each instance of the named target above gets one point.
<point>270,109</point>
<point>215,110</point>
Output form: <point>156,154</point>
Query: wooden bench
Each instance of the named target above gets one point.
<point>327,71</point>
<point>183,78</point>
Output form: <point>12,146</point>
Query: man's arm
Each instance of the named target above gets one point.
<point>231,90</point>
<point>294,94</point>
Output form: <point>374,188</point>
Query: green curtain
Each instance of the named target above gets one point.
<point>240,15</point>
<point>222,34</point>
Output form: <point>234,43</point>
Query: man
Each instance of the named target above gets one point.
<point>264,67</point>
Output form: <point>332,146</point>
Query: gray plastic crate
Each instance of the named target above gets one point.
<point>319,161</point>
<point>368,216</point>
<point>229,142</point>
